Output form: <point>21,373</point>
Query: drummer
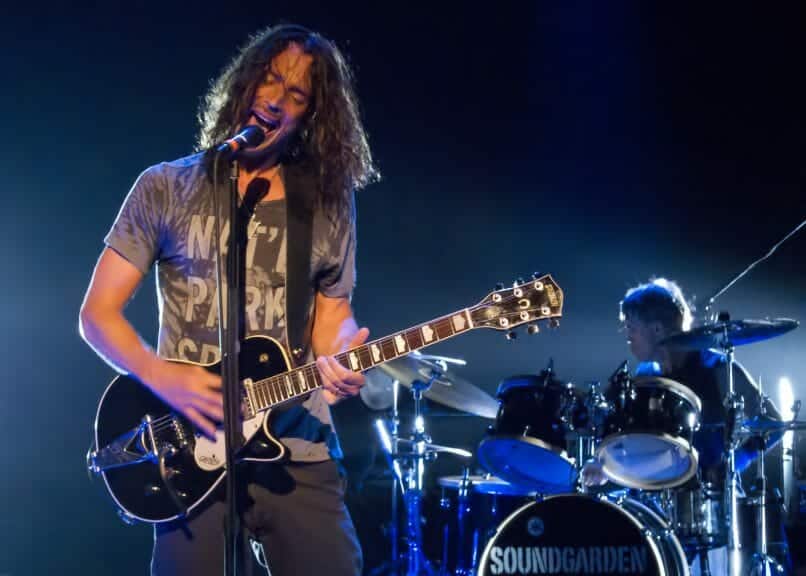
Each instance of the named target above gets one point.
<point>650,313</point>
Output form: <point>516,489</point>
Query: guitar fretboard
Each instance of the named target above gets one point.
<point>264,394</point>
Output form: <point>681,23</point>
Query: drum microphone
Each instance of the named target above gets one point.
<point>622,371</point>
<point>249,137</point>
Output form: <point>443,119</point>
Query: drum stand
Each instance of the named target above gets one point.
<point>409,469</point>
<point>734,404</point>
<point>761,564</point>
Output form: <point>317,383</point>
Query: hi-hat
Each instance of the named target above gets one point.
<point>729,333</point>
<point>446,387</point>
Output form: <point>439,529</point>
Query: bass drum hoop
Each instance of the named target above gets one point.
<point>621,506</point>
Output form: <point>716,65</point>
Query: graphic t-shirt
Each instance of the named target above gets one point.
<point>168,219</point>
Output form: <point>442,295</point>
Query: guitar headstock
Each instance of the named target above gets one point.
<point>524,303</point>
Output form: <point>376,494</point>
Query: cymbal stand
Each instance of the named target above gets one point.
<point>409,469</point>
<point>389,440</point>
<point>762,564</point>
<point>734,404</point>
<point>413,488</point>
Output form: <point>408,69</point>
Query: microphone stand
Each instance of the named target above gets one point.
<point>718,293</point>
<point>228,331</point>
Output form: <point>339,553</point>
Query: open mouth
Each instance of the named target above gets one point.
<point>268,125</point>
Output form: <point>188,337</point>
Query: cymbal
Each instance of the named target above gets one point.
<point>446,388</point>
<point>486,484</point>
<point>739,333</point>
<point>761,425</point>
<point>429,447</point>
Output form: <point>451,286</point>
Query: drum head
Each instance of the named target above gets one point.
<point>574,534</point>
<point>528,463</point>
<point>647,461</point>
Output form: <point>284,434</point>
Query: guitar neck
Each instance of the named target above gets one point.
<point>280,388</point>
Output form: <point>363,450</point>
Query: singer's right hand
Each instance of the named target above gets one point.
<point>191,390</point>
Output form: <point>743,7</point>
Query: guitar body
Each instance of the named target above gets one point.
<point>128,459</point>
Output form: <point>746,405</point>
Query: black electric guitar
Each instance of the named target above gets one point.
<point>158,468</point>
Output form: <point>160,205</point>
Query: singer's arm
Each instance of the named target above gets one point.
<point>188,388</point>
<point>335,330</point>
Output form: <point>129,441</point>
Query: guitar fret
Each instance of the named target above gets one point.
<point>260,394</point>
<point>278,389</point>
<point>388,348</point>
<point>317,377</point>
<point>310,375</point>
<point>414,339</point>
<point>443,329</point>
<point>365,357</point>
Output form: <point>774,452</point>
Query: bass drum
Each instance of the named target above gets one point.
<point>577,534</point>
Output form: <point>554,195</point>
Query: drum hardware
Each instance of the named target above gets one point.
<point>648,434</point>
<point>725,334</point>
<point>528,444</point>
<point>472,507</point>
<point>762,564</point>
<point>586,431</point>
<point>407,458</point>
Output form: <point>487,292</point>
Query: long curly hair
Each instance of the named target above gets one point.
<point>331,137</point>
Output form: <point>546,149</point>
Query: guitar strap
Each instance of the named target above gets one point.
<point>300,190</point>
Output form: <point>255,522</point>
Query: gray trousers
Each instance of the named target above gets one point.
<point>296,511</point>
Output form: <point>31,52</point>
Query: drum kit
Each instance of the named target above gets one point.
<point>534,511</point>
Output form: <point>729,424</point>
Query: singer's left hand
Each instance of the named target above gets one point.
<point>339,382</point>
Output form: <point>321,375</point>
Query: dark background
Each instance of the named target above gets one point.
<point>604,142</point>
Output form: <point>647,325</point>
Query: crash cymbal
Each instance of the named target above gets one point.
<point>738,332</point>
<point>446,388</point>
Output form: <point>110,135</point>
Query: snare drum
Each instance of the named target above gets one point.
<point>471,509</point>
<point>527,445</point>
<point>576,534</point>
<point>648,434</point>
<point>697,516</point>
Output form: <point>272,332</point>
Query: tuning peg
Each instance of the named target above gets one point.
<point>499,286</point>
<point>532,329</point>
<point>536,275</point>
<point>554,323</point>
<point>511,335</point>
<point>519,281</point>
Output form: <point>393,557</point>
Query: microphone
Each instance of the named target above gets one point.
<point>249,137</point>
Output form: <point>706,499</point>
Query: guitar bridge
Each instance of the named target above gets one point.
<point>140,444</point>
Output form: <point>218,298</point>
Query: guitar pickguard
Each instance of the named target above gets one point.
<point>211,455</point>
